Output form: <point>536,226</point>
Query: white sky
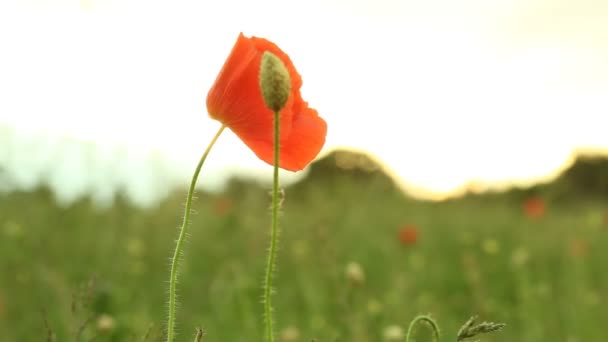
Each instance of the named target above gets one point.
<point>441,92</point>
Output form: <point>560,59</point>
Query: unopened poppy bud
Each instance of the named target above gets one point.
<point>274,81</point>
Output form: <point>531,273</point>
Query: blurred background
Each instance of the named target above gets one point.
<point>464,173</point>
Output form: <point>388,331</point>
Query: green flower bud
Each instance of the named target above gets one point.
<point>275,82</point>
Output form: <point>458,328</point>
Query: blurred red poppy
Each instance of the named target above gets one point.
<point>222,206</point>
<point>579,247</point>
<point>535,207</point>
<point>235,99</point>
<point>408,234</point>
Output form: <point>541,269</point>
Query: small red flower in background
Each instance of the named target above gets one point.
<point>535,207</point>
<point>408,234</point>
<point>579,247</point>
<point>222,206</point>
<point>235,99</point>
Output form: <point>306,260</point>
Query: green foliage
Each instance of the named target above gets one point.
<point>545,277</point>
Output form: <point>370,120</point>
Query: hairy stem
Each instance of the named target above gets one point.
<point>273,236</point>
<point>181,238</point>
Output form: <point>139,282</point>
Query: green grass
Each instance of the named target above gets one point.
<point>481,255</point>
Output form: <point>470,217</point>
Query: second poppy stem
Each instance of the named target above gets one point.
<point>180,240</point>
<point>272,251</point>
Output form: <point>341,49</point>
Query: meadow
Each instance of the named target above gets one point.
<point>357,259</point>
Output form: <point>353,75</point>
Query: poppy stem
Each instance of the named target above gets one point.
<point>421,318</point>
<point>180,240</point>
<point>272,251</point>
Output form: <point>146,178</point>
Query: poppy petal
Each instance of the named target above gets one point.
<point>307,137</point>
<point>300,148</point>
<point>235,99</point>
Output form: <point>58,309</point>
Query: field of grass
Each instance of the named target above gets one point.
<point>102,274</point>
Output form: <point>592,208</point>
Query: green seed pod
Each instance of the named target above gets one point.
<point>275,82</point>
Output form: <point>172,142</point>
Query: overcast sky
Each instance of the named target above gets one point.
<point>441,92</point>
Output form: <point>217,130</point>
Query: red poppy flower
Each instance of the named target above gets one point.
<point>534,207</point>
<point>235,99</point>
<point>408,234</point>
